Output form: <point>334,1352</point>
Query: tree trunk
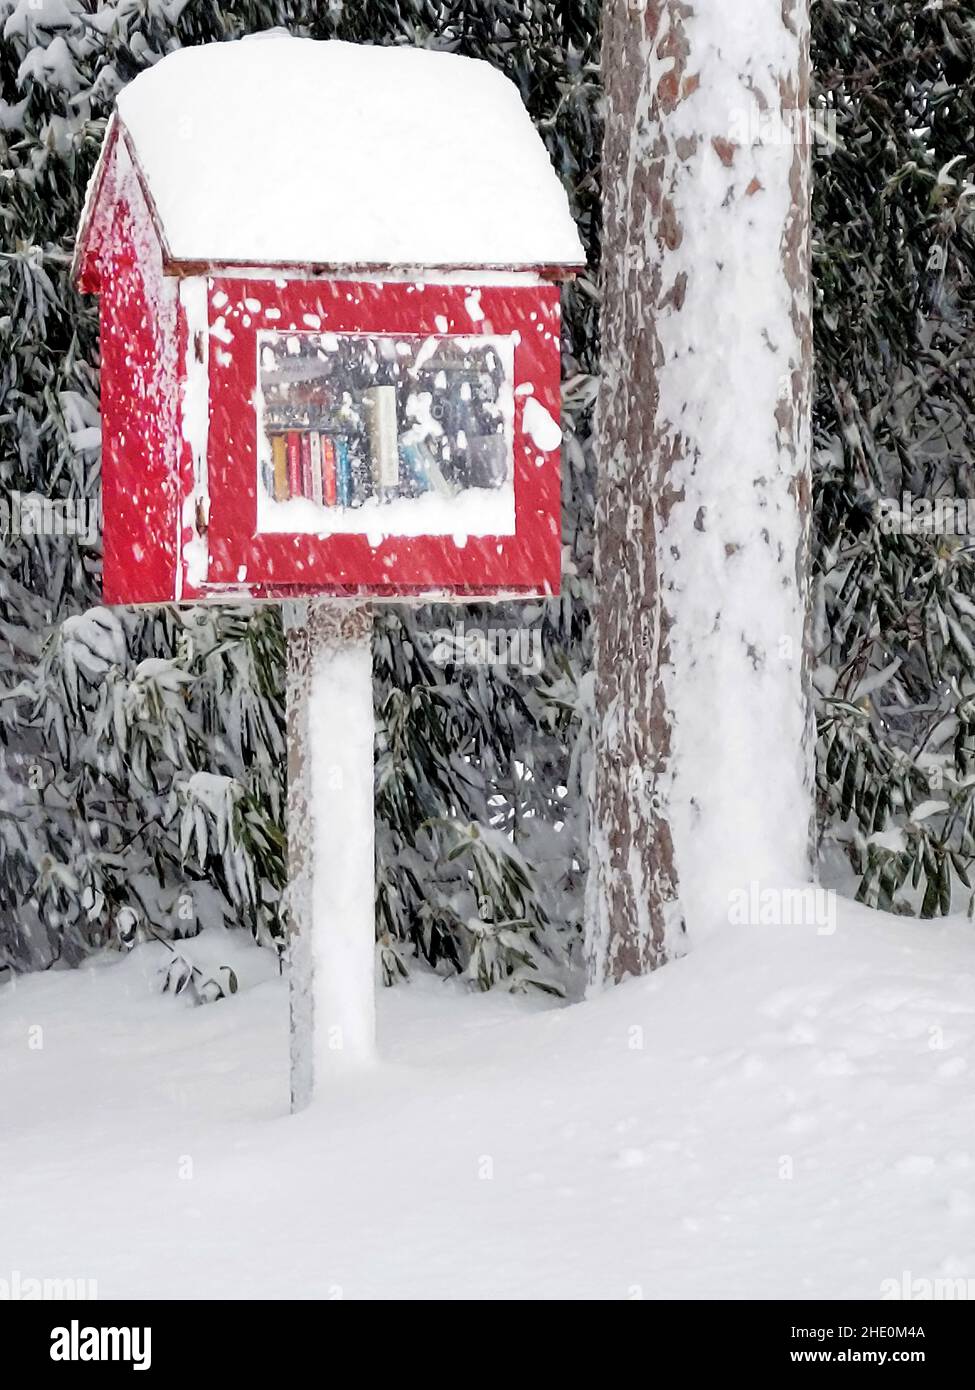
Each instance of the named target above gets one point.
<point>702,747</point>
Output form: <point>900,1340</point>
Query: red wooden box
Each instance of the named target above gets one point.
<point>274,430</point>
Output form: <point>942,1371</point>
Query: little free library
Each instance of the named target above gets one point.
<point>330,376</point>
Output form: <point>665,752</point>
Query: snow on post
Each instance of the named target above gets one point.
<point>331,837</point>
<point>702,779</point>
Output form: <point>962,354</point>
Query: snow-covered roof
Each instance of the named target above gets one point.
<point>282,150</point>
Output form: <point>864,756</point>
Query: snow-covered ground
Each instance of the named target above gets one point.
<point>780,1114</point>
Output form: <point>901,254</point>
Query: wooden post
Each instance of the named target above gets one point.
<point>331,838</point>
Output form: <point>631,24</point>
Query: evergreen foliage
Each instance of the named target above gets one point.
<point>141,753</point>
<point>895,414</point>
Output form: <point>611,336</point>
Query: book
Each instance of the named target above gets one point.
<point>343,473</point>
<point>361,484</point>
<point>306,483</point>
<point>279,458</point>
<point>329,481</point>
<point>383,436</point>
<point>316,468</point>
<point>294,463</point>
<point>422,471</point>
<point>487,460</point>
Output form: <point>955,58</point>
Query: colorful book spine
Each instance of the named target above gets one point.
<point>294,463</point>
<point>279,459</point>
<point>329,481</point>
<point>343,473</point>
<point>316,493</point>
<point>306,485</point>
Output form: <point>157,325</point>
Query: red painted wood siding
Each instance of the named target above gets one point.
<point>138,393</point>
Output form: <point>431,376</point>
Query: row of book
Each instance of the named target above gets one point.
<point>309,463</point>
<point>320,464</point>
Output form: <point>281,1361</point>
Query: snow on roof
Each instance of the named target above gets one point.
<point>293,151</point>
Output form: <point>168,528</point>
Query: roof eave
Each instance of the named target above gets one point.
<point>84,269</point>
<point>84,274</point>
<point>185,266</point>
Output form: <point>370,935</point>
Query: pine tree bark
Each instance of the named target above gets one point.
<point>702,509</point>
<point>632,910</point>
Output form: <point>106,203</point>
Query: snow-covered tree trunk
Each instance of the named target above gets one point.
<point>331,839</point>
<point>703,741</point>
<point>632,909</point>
